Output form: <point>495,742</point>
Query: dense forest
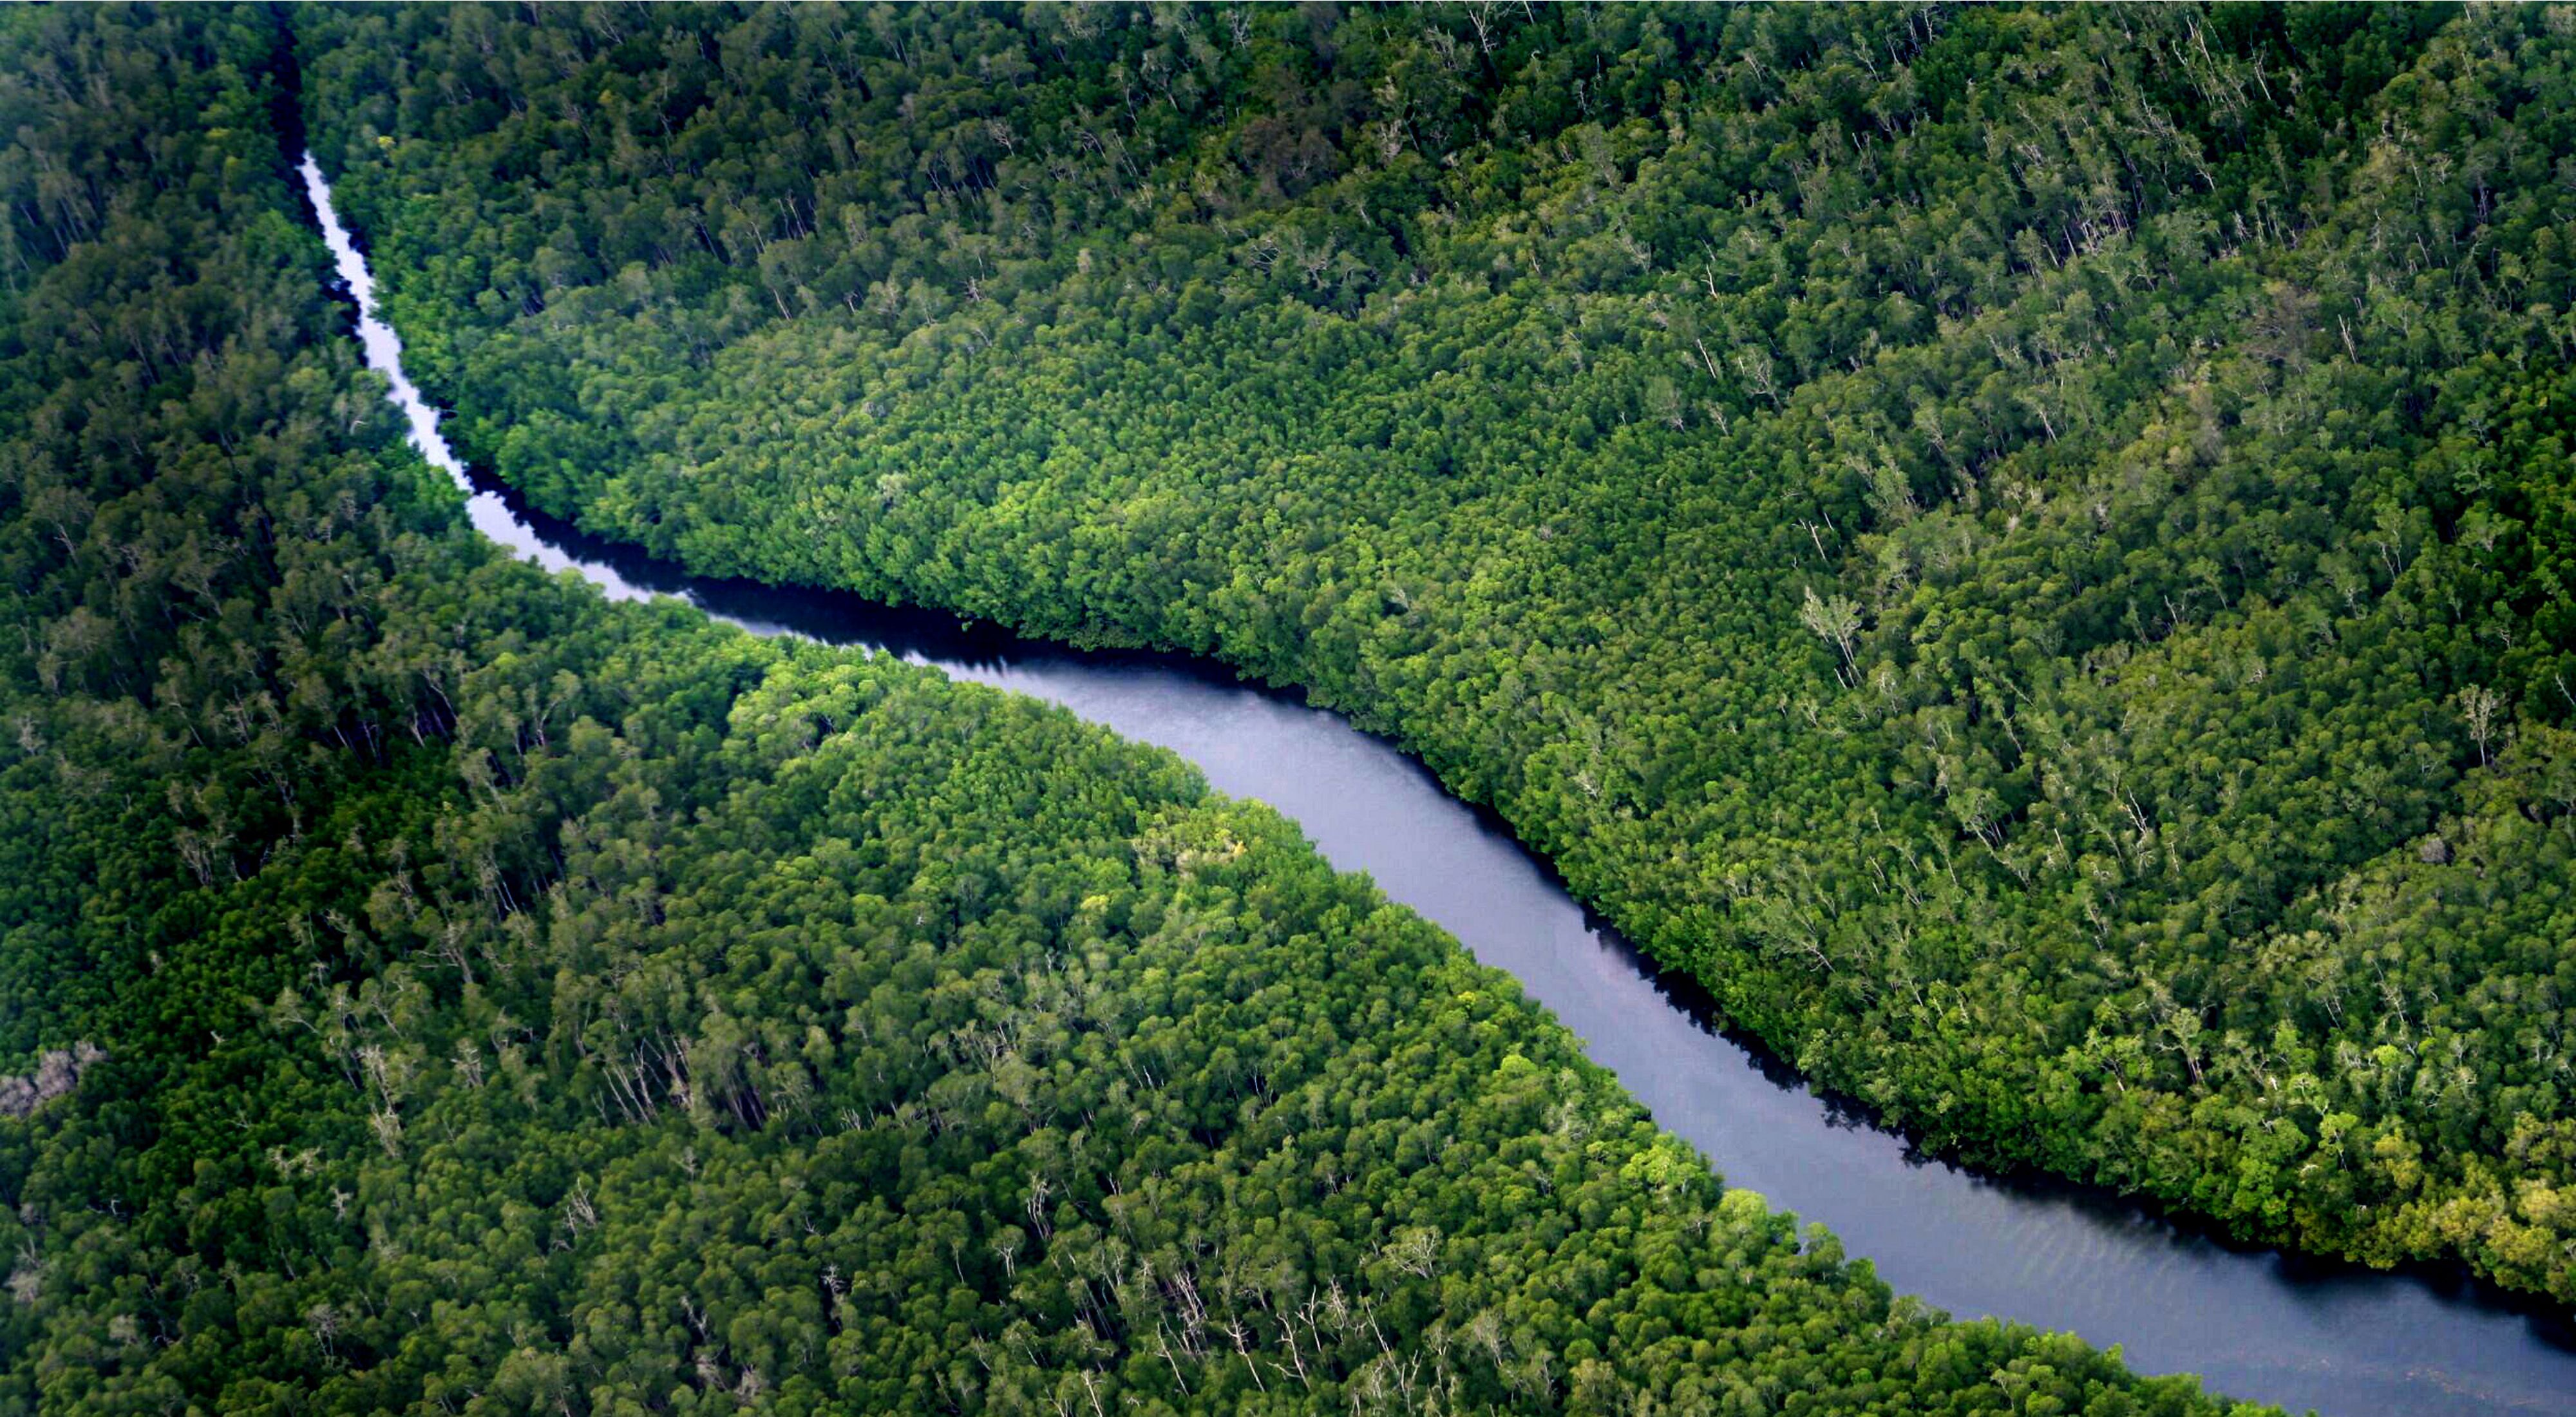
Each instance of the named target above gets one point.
<point>426,986</point>
<point>2022,547</point>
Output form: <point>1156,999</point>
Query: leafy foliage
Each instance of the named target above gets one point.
<point>2023,547</point>
<point>449,992</point>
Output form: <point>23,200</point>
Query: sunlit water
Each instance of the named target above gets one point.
<point>2254,1323</point>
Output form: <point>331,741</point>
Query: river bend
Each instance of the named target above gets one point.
<point>2255,1323</point>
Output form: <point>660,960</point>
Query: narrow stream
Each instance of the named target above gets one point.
<point>2255,1323</point>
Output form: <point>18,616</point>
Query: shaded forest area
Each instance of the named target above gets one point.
<point>2025,548</point>
<point>427,987</point>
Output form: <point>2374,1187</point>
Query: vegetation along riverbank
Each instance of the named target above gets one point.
<point>2023,548</point>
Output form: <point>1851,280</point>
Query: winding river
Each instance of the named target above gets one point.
<point>2255,1323</point>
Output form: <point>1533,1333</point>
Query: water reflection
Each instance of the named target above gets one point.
<point>2255,1323</point>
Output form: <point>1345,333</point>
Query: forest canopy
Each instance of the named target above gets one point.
<point>428,987</point>
<point>2024,548</point>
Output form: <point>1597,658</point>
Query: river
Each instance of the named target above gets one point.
<point>2254,1323</point>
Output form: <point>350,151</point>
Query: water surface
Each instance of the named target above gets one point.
<point>2255,1323</point>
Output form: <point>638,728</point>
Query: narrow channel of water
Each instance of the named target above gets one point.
<point>2255,1323</point>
